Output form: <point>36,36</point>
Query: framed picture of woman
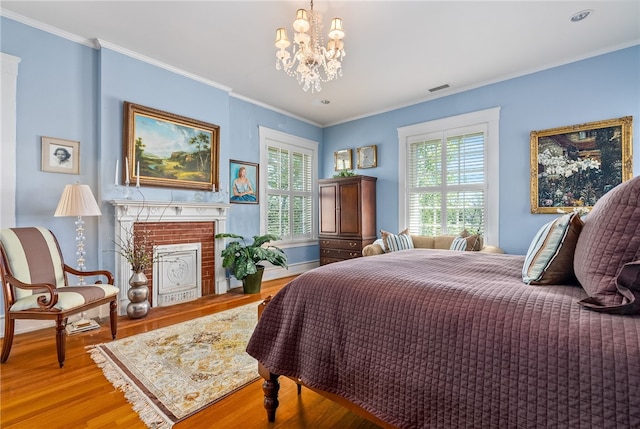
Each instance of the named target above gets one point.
<point>243,182</point>
<point>60,155</point>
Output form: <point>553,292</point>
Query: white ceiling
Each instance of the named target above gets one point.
<point>396,50</point>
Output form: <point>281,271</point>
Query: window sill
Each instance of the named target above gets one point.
<point>296,243</point>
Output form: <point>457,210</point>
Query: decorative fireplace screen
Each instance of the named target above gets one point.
<point>177,272</point>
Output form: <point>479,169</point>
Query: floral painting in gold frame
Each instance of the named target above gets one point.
<point>573,166</point>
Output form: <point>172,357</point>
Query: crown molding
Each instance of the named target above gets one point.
<point>98,44</point>
<point>275,109</point>
<point>46,27</point>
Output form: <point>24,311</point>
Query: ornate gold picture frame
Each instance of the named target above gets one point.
<point>367,156</point>
<point>168,150</point>
<point>573,166</point>
<point>342,160</point>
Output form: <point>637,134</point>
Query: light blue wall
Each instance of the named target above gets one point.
<point>599,88</point>
<point>123,78</point>
<point>56,97</point>
<point>69,90</point>
<point>73,91</point>
<point>245,119</point>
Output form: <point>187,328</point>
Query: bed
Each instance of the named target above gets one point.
<point>441,339</point>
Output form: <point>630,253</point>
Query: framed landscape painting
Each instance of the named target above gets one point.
<point>169,150</point>
<point>572,167</point>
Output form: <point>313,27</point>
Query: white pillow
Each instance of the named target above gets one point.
<point>380,242</point>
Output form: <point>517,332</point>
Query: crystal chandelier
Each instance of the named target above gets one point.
<point>310,62</point>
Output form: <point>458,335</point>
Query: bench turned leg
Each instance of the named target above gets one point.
<point>270,387</point>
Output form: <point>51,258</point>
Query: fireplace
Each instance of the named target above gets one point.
<point>177,273</point>
<point>174,223</point>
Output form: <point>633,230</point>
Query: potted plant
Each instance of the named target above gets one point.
<point>244,259</point>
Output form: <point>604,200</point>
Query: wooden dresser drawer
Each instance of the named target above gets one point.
<point>340,253</point>
<point>341,244</point>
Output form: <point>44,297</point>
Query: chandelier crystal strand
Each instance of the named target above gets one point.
<point>310,62</point>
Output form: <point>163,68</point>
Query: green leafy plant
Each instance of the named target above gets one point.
<point>344,173</point>
<point>244,259</point>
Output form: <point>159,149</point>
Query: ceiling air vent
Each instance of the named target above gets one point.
<point>438,88</point>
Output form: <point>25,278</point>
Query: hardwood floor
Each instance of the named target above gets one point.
<point>36,393</point>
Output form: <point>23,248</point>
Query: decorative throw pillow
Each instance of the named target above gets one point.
<point>549,259</point>
<point>474,242</point>
<point>380,242</point>
<point>609,240</point>
<point>628,285</point>
<point>459,244</point>
<point>397,242</point>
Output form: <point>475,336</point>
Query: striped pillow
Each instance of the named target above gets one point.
<point>549,259</point>
<point>397,242</point>
<point>459,244</point>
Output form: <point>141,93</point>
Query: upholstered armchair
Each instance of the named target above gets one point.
<point>35,286</point>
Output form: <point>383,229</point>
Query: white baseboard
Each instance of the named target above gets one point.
<point>273,273</point>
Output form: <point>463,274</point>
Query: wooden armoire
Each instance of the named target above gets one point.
<point>347,217</point>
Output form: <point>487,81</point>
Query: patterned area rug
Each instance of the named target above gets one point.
<point>171,373</point>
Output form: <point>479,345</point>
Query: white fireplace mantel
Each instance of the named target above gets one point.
<point>127,212</point>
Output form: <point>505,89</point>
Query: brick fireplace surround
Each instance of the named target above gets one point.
<point>174,223</point>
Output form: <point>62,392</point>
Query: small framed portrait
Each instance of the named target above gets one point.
<point>243,182</point>
<point>60,155</point>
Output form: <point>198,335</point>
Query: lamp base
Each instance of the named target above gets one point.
<point>82,325</point>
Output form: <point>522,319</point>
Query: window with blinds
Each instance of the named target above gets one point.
<point>446,181</point>
<point>451,179</point>
<point>289,191</point>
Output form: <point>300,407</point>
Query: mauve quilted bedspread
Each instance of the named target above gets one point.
<point>442,339</point>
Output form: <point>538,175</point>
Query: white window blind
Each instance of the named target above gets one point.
<point>289,193</point>
<point>290,196</point>
<point>446,183</point>
<point>445,188</point>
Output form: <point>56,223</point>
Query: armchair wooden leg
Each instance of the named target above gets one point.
<point>113,318</point>
<point>9,328</point>
<point>61,336</point>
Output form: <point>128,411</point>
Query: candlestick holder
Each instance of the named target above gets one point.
<point>222,196</point>
<point>125,190</point>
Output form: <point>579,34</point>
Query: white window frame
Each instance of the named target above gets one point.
<point>9,96</point>
<point>491,119</point>
<point>270,137</point>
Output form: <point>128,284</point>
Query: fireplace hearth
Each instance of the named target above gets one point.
<point>179,224</point>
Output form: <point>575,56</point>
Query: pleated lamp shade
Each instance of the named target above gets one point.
<point>77,200</point>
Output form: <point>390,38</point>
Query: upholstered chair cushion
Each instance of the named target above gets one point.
<point>423,241</point>
<point>42,263</point>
